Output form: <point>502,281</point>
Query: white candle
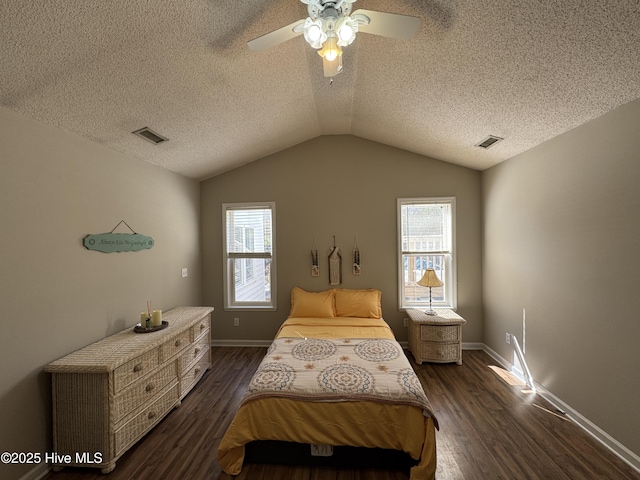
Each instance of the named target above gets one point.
<point>143,319</point>
<point>156,318</point>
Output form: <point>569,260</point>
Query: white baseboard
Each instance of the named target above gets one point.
<point>603,437</point>
<point>37,472</point>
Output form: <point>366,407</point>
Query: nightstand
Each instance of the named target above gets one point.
<point>436,338</point>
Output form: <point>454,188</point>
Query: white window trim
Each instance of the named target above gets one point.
<point>227,281</point>
<point>453,304</point>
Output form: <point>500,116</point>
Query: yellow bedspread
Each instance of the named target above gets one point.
<point>352,423</point>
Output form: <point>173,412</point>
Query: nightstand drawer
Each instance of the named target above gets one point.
<point>448,333</point>
<point>440,352</point>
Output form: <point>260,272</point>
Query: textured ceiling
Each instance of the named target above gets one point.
<point>524,70</point>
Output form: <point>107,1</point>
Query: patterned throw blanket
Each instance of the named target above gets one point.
<point>340,369</point>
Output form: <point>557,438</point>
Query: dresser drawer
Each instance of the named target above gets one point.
<point>446,333</point>
<point>134,369</point>
<point>440,352</point>
<point>201,327</point>
<point>194,373</point>
<point>136,427</point>
<point>193,352</point>
<point>143,392</point>
<point>169,348</point>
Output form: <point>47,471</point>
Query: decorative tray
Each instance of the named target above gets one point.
<point>140,329</point>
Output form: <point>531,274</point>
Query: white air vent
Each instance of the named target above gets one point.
<point>489,141</point>
<point>150,135</point>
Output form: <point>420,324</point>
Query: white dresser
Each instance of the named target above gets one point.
<point>108,395</point>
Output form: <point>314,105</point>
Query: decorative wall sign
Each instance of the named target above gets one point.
<point>335,265</point>
<point>118,242</point>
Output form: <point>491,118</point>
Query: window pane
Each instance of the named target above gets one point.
<point>426,227</point>
<point>249,230</point>
<point>255,288</point>
<point>414,268</point>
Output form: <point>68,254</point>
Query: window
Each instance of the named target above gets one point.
<point>249,255</point>
<point>426,239</point>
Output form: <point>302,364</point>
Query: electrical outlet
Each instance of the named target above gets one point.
<point>508,338</point>
<point>406,322</point>
<point>185,272</point>
<point>236,322</point>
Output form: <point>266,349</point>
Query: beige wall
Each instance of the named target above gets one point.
<point>343,186</point>
<point>561,230</point>
<point>56,296</point>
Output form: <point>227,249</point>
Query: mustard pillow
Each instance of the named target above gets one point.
<point>312,304</point>
<point>358,303</point>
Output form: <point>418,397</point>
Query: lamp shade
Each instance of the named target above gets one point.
<point>430,279</point>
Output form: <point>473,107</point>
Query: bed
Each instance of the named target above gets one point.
<point>335,375</point>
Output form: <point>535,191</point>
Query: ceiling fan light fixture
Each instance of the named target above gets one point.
<point>346,28</point>
<point>330,50</point>
<point>331,69</point>
<point>314,33</point>
<point>331,25</point>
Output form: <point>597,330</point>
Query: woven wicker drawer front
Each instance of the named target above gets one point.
<point>131,431</point>
<point>173,346</point>
<point>143,392</point>
<point>447,333</point>
<point>200,327</point>
<point>134,369</point>
<point>439,352</point>
<point>194,373</point>
<point>193,352</point>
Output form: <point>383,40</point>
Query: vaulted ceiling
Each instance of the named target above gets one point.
<point>523,70</point>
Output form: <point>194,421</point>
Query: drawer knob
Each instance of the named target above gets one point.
<point>178,343</point>
<point>202,326</point>
<point>197,370</point>
<point>137,368</point>
<point>150,387</point>
<point>151,415</point>
<point>197,351</point>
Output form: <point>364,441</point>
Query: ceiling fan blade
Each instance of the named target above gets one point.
<point>276,37</point>
<point>402,27</point>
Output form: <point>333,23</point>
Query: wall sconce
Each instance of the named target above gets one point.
<point>315,266</point>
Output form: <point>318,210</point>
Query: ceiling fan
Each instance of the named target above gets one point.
<point>331,26</point>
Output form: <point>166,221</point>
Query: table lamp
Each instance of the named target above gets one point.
<point>430,279</point>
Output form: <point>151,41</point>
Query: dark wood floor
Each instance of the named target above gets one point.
<point>488,430</point>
